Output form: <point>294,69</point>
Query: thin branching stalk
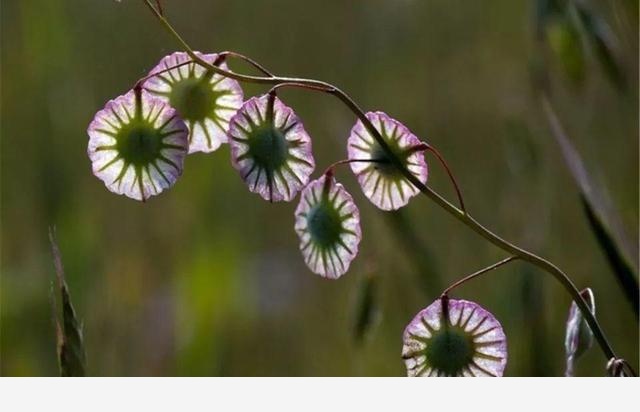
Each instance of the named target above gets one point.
<point>478,273</point>
<point>460,214</point>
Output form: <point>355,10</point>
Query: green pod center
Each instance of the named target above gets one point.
<point>384,163</point>
<point>449,350</point>
<point>268,147</point>
<point>193,99</point>
<point>139,143</point>
<point>325,225</point>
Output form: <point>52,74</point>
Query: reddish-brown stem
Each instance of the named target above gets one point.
<point>249,60</point>
<point>478,273</point>
<point>444,301</point>
<point>159,6</point>
<point>141,81</point>
<point>451,176</point>
<point>300,86</point>
<point>332,166</point>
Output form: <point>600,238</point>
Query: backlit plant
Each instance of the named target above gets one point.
<point>137,145</point>
<point>192,102</point>
<point>454,338</point>
<point>270,148</point>
<point>204,99</point>
<point>381,180</point>
<point>328,224</point>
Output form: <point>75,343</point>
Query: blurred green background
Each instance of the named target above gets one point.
<point>206,279</point>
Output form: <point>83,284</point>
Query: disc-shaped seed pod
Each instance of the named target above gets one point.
<point>328,225</point>
<point>270,148</point>
<point>380,178</point>
<point>137,145</point>
<point>205,100</point>
<point>454,338</point>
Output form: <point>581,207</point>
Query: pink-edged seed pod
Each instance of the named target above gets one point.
<point>454,338</point>
<point>380,179</point>
<point>270,148</point>
<point>205,100</point>
<point>327,222</point>
<point>137,145</point>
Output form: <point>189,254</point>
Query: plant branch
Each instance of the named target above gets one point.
<point>142,80</point>
<point>246,59</point>
<point>478,273</point>
<point>159,7</point>
<point>451,176</point>
<point>459,214</point>
<point>606,230</point>
<point>332,166</point>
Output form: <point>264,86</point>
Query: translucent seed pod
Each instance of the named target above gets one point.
<point>381,180</point>
<point>270,148</point>
<point>137,145</point>
<point>205,100</point>
<point>328,225</point>
<point>462,340</point>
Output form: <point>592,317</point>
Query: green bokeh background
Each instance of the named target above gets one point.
<point>206,279</point>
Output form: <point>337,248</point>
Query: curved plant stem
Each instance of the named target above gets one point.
<point>454,182</point>
<point>459,214</point>
<point>608,235</point>
<point>246,59</point>
<point>527,256</point>
<point>478,273</point>
<point>141,81</point>
<point>301,85</point>
<point>332,166</point>
<point>159,7</point>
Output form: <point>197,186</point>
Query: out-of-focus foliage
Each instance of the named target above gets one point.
<point>572,28</point>
<point>620,265</point>
<point>71,354</point>
<point>600,214</point>
<point>205,279</point>
<point>367,312</point>
<point>602,41</point>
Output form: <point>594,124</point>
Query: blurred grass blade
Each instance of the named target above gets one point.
<point>579,337</point>
<point>521,152</point>
<point>416,249</point>
<point>71,353</point>
<point>556,27</point>
<point>568,26</point>
<point>545,10</point>
<point>602,219</point>
<point>564,41</point>
<point>534,323</point>
<point>601,39</point>
<point>618,262</point>
<point>367,311</point>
